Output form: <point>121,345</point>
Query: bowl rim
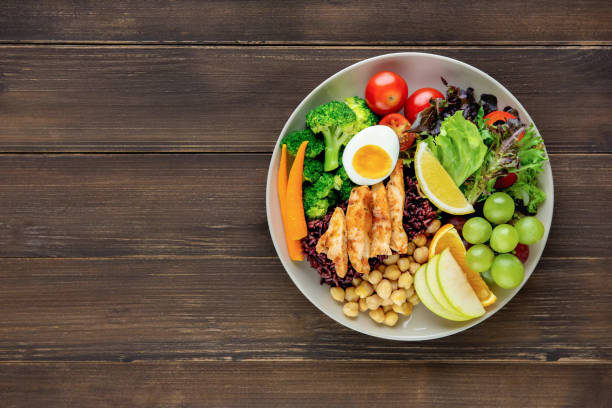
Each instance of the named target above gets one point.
<point>270,183</point>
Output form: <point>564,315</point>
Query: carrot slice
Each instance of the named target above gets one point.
<point>294,246</point>
<point>296,221</point>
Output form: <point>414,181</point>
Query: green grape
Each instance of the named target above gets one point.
<point>486,276</point>
<point>530,230</point>
<point>507,271</point>
<point>479,258</point>
<point>504,238</point>
<point>499,208</point>
<point>477,230</point>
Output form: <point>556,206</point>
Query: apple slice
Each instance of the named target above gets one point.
<point>420,286</point>
<point>435,289</point>
<point>456,287</point>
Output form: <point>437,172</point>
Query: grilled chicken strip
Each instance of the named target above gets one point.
<point>381,222</point>
<point>333,242</point>
<point>396,197</point>
<point>358,225</point>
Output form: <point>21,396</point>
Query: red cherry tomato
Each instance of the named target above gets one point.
<point>419,100</point>
<point>386,92</point>
<point>400,126</point>
<point>503,116</point>
<point>506,181</point>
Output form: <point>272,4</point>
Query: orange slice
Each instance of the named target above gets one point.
<point>448,237</point>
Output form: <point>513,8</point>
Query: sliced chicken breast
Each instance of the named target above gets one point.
<point>358,225</point>
<point>381,222</point>
<point>334,242</point>
<point>396,197</point>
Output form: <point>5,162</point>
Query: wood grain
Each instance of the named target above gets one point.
<point>236,99</point>
<point>248,309</point>
<point>301,384</point>
<point>214,204</point>
<point>314,22</point>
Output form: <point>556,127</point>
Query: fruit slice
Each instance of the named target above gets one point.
<point>436,291</point>
<point>437,185</point>
<point>448,237</point>
<point>456,287</point>
<point>420,286</point>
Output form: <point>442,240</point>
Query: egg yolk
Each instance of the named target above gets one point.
<point>371,161</point>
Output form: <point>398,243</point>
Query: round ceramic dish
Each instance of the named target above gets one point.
<point>419,70</point>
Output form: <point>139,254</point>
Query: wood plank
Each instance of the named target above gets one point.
<point>213,204</point>
<point>236,99</point>
<point>248,309</point>
<point>315,22</point>
<point>299,384</point>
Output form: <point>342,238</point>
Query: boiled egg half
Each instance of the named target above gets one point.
<point>371,155</point>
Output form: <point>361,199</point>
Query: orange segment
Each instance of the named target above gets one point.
<point>448,237</point>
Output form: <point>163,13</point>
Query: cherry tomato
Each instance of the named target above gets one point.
<point>400,126</point>
<point>506,181</point>
<point>496,116</point>
<point>419,100</point>
<point>386,92</point>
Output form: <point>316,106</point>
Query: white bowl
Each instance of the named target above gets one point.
<point>419,70</point>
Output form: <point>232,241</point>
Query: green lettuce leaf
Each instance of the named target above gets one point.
<point>526,191</point>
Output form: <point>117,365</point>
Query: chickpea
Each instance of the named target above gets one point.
<point>421,255</point>
<point>409,291</point>
<point>381,268</point>
<point>398,296</point>
<point>414,267</point>
<point>383,289</point>
<point>405,280</point>
<point>350,309</point>
<point>391,259</point>
<point>392,272</point>
<point>405,309</point>
<point>356,282</point>
<point>337,294</point>
<point>364,290</point>
<point>403,264</point>
<point>414,299</point>
<point>411,248</point>
<point>387,308</point>
<point>387,302</point>
<point>363,306</point>
<point>391,318</point>
<point>434,227</point>
<point>350,295</point>
<point>394,285</point>
<point>377,315</point>
<point>375,277</point>
<point>419,240</point>
<point>373,302</point>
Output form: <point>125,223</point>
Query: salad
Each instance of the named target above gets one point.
<point>403,198</point>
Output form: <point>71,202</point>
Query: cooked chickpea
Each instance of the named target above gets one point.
<point>373,302</point>
<point>375,277</point>
<point>337,294</point>
<point>387,308</point>
<point>363,306</point>
<point>405,280</point>
<point>391,318</point>
<point>409,291</point>
<point>403,264</point>
<point>381,268</point>
<point>405,309</point>
<point>378,315</point>
<point>351,309</point>
<point>364,290</point>
<point>387,302</point>
<point>414,267</point>
<point>421,255</point>
<point>383,289</point>
<point>392,272</point>
<point>398,296</point>
<point>356,282</point>
<point>350,295</point>
<point>411,248</point>
<point>391,259</point>
<point>434,227</point>
<point>394,285</point>
<point>419,240</point>
<point>414,299</point>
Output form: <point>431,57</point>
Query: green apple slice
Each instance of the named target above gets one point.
<point>456,287</point>
<point>420,286</point>
<point>436,290</point>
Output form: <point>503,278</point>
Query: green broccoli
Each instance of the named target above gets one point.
<point>294,139</point>
<point>365,117</point>
<point>337,122</point>
<point>312,170</point>
<point>333,197</point>
<point>343,184</point>
<point>324,185</point>
<point>345,190</point>
<point>314,207</point>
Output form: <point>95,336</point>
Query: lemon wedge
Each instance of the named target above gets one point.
<point>436,183</point>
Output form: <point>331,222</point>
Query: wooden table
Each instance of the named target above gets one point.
<point>136,265</point>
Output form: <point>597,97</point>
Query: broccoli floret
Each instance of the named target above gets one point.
<point>324,185</point>
<point>333,197</point>
<point>340,178</point>
<point>343,184</point>
<point>365,117</point>
<point>345,190</point>
<point>294,139</point>
<point>314,207</point>
<point>312,170</point>
<point>337,122</point>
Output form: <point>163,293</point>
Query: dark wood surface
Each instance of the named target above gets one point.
<point>136,267</point>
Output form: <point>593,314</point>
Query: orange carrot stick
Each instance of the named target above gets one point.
<point>296,221</point>
<point>294,246</point>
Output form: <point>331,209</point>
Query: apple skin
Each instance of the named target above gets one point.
<point>435,289</point>
<point>420,286</point>
<point>456,287</point>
